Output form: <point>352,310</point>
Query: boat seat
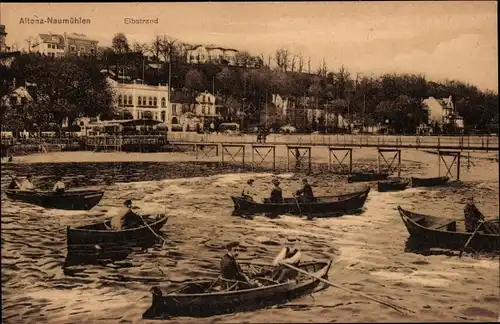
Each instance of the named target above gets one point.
<point>450,226</point>
<point>418,219</point>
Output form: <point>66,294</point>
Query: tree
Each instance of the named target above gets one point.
<point>120,44</point>
<point>195,82</point>
<point>65,88</point>
<point>402,113</point>
<point>243,59</point>
<point>226,81</point>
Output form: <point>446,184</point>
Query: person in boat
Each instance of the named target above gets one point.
<point>288,255</point>
<point>59,186</point>
<point>14,184</point>
<point>305,194</point>
<point>230,270</point>
<point>248,192</point>
<point>472,215</point>
<point>126,218</point>
<point>27,184</point>
<point>276,194</point>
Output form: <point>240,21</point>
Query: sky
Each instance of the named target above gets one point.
<point>441,40</point>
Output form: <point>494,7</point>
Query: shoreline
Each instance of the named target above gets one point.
<point>475,166</point>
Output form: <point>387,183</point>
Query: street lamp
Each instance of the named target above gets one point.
<point>243,115</point>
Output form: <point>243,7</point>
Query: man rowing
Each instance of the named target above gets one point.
<point>126,218</point>
<point>276,194</point>
<point>230,271</point>
<point>288,255</point>
<point>248,192</point>
<point>27,185</point>
<point>59,186</point>
<point>475,219</point>
<point>14,184</point>
<point>472,215</point>
<point>305,194</point>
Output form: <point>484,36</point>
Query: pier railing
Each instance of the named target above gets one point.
<point>396,141</point>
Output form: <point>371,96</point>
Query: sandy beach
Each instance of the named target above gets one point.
<point>368,249</point>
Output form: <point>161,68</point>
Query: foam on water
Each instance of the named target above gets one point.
<point>368,249</point>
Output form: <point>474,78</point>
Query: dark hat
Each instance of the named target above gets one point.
<point>232,245</point>
<point>128,202</point>
<point>29,176</point>
<point>276,181</point>
<point>250,181</point>
<point>305,180</point>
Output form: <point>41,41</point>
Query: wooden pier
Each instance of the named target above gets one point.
<point>299,150</point>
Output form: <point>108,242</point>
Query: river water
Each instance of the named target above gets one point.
<point>368,249</point>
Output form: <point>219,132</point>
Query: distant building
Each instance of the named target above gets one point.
<point>49,45</point>
<point>79,44</point>
<point>199,54</point>
<point>442,112</point>
<point>3,35</point>
<point>141,101</point>
<point>57,45</point>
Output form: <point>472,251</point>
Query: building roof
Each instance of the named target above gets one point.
<point>210,47</point>
<point>80,37</point>
<point>52,38</point>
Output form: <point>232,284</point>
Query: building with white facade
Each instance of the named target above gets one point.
<point>141,101</point>
<point>57,45</point>
<point>200,54</point>
<point>442,111</point>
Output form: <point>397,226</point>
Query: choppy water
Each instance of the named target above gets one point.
<point>368,249</point>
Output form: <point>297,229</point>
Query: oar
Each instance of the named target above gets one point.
<point>152,231</point>
<point>297,202</point>
<point>395,307</point>
<point>481,222</point>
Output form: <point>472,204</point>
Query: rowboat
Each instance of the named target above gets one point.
<point>428,182</point>
<point>322,206</point>
<point>201,299</point>
<point>84,240</point>
<point>392,185</point>
<point>366,176</point>
<point>431,231</point>
<point>76,199</point>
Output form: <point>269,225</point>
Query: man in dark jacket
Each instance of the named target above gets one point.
<point>305,194</point>
<point>276,194</point>
<point>230,270</point>
<point>472,215</point>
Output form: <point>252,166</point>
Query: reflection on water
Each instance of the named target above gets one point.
<point>39,287</point>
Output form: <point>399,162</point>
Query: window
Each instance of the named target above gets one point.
<point>82,49</point>
<point>139,101</point>
<point>72,48</point>
<point>130,100</point>
<point>120,99</point>
<point>155,102</point>
<point>150,101</point>
<point>92,51</point>
<point>163,103</point>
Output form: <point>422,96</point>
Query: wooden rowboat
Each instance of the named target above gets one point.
<point>84,240</point>
<point>428,182</point>
<point>200,299</point>
<point>392,185</point>
<point>322,206</point>
<point>431,231</point>
<point>76,199</point>
<point>366,176</point>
